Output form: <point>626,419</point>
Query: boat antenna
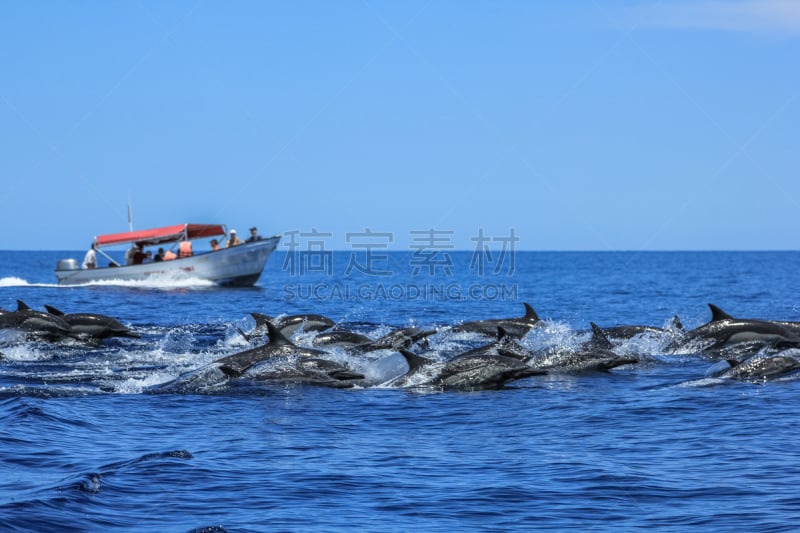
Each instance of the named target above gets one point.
<point>130,215</point>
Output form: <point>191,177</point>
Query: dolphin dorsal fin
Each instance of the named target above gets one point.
<point>22,306</point>
<point>53,311</point>
<point>718,314</point>
<point>276,338</point>
<point>530,313</point>
<point>677,325</point>
<point>261,319</point>
<point>599,337</point>
<point>415,362</point>
<point>501,333</point>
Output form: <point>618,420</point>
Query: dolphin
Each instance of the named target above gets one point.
<point>516,327</point>
<point>304,370</point>
<point>584,362</point>
<point>794,327</point>
<point>36,324</point>
<point>725,332</point>
<point>504,345</point>
<point>206,379</point>
<point>473,372</point>
<point>357,343</point>
<point>93,325</point>
<point>236,364</point>
<point>216,374</point>
<point>289,324</point>
<point>595,355</point>
<point>304,364</point>
<point>630,331</point>
<point>762,367</point>
<point>329,368</point>
<point>342,337</point>
<point>718,313</point>
<point>401,338</point>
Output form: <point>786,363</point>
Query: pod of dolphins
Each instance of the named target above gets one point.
<point>745,349</point>
<point>55,325</point>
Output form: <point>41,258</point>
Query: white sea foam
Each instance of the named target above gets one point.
<point>14,281</point>
<point>161,282</point>
<point>22,352</point>
<point>166,283</point>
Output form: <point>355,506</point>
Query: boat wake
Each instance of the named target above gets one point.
<point>14,281</point>
<point>160,283</point>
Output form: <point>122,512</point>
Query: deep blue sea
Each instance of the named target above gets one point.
<point>658,444</point>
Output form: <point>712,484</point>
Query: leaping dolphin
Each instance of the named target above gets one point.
<point>725,332</point>
<point>341,337</point>
<point>37,324</point>
<point>357,343</point>
<point>304,364</point>
<point>305,370</point>
<point>630,331</point>
<point>719,314</point>
<point>595,355</point>
<point>516,327</point>
<point>401,338</point>
<point>217,373</point>
<point>289,324</point>
<point>504,344</point>
<point>471,372</point>
<point>236,364</point>
<point>93,325</point>
<point>763,367</point>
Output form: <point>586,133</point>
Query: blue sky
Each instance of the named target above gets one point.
<point>607,125</point>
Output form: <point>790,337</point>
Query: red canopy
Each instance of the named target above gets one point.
<point>150,237</point>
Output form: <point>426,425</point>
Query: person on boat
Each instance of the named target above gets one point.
<point>159,256</point>
<point>214,245</point>
<point>129,254</point>
<point>148,257</point>
<point>169,255</point>
<point>138,255</point>
<point>234,240</point>
<point>185,249</point>
<point>90,259</point>
<point>254,236</point>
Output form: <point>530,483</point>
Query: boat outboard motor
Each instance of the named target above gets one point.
<point>67,264</point>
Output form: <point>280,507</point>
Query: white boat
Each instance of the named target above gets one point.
<point>239,265</point>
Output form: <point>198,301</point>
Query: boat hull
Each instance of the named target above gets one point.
<point>238,266</point>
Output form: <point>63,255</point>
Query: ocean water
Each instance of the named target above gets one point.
<point>660,444</point>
